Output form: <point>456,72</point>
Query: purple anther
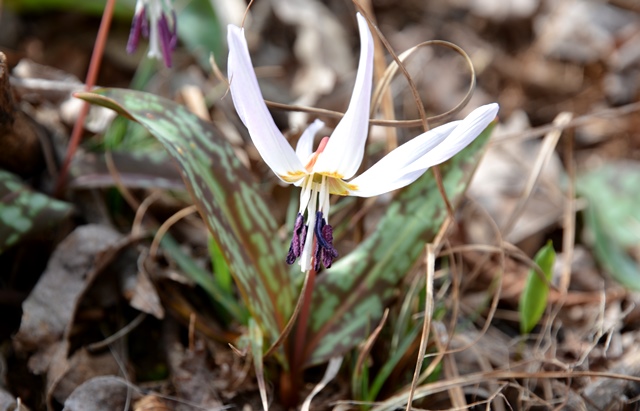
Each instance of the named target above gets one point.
<point>297,242</point>
<point>167,39</point>
<point>137,26</point>
<point>324,251</point>
<point>328,254</point>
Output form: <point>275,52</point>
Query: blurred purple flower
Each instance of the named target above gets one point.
<point>150,20</point>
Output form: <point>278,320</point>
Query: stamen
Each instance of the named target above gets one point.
<point>139,20</point>
<point>298,240</point>
<point>165,39</point>
<point>328,254</point>
<point>324,251</point>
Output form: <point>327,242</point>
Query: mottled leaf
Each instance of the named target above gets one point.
<point>534,295</point>
<point>613,217</point>
<point>613,191</point>
<point>350,298</point>
<point>227,197</point>
<point>24,212</point>
<point>135,170</point>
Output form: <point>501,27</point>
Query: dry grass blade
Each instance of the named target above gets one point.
<point>366,349</point>
<point>329,374</point>
<point>124,191</point>
<point>321,112</point>
<point>548,148</point>
<point>577,122</point>
<point>256,337</point>
<point>387,46</point>
<point>386,100</point>
<point>428,312</point>
<point>569,217</point>
<point>483,377</point>
<point>136,226</point>
<point>392,70</point>
<point>119,334</point>
<point>167,225</point>
<point>382,89</point>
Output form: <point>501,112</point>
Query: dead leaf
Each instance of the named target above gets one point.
<point>145,297</point>
<point>101,394</point>
<point>65,375</point>
<point>581,31</point>
<point>500,180</point>
<point>49,309</point>
<point>192,375</point>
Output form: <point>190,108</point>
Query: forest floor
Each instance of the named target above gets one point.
<point>94,317</point>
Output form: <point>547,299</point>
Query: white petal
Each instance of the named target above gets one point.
<point>249,103</point>
<point>408,162</point>
<point>388,173</point>
<point>462,136</point>
<point>305,144</point>
<point>345,149</point>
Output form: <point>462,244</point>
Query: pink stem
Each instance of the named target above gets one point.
<point>92,75</point>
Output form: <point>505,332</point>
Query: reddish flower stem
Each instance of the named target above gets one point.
<point>300,339</point>
<point>92,75</point>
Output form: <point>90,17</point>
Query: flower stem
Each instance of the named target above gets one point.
<point>299,342</point>
<point>92,75</point>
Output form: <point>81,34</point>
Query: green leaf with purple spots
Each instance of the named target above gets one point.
<point>24,212</point>
<point>349,299</point>
<point>227,197</point>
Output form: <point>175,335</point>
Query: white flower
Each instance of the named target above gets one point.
<point>329,169</point>
<point>162,37</point>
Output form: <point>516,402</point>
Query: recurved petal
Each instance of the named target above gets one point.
<point>460,137</point>
<point>304,149</point>
<point>405,164</point>
<point>345,149</point>
<point>249,103</point>
<point>389,173</point>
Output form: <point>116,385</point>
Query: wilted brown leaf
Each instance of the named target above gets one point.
<point>101,394</point>
<point>49,309</point>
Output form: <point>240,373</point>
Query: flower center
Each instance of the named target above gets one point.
<point>314,246</point>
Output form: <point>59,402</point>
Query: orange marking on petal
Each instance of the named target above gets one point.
<point>314,156</point>
<point>322,145</point>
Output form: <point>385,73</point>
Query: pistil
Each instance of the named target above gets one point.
<point>314,247</point>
